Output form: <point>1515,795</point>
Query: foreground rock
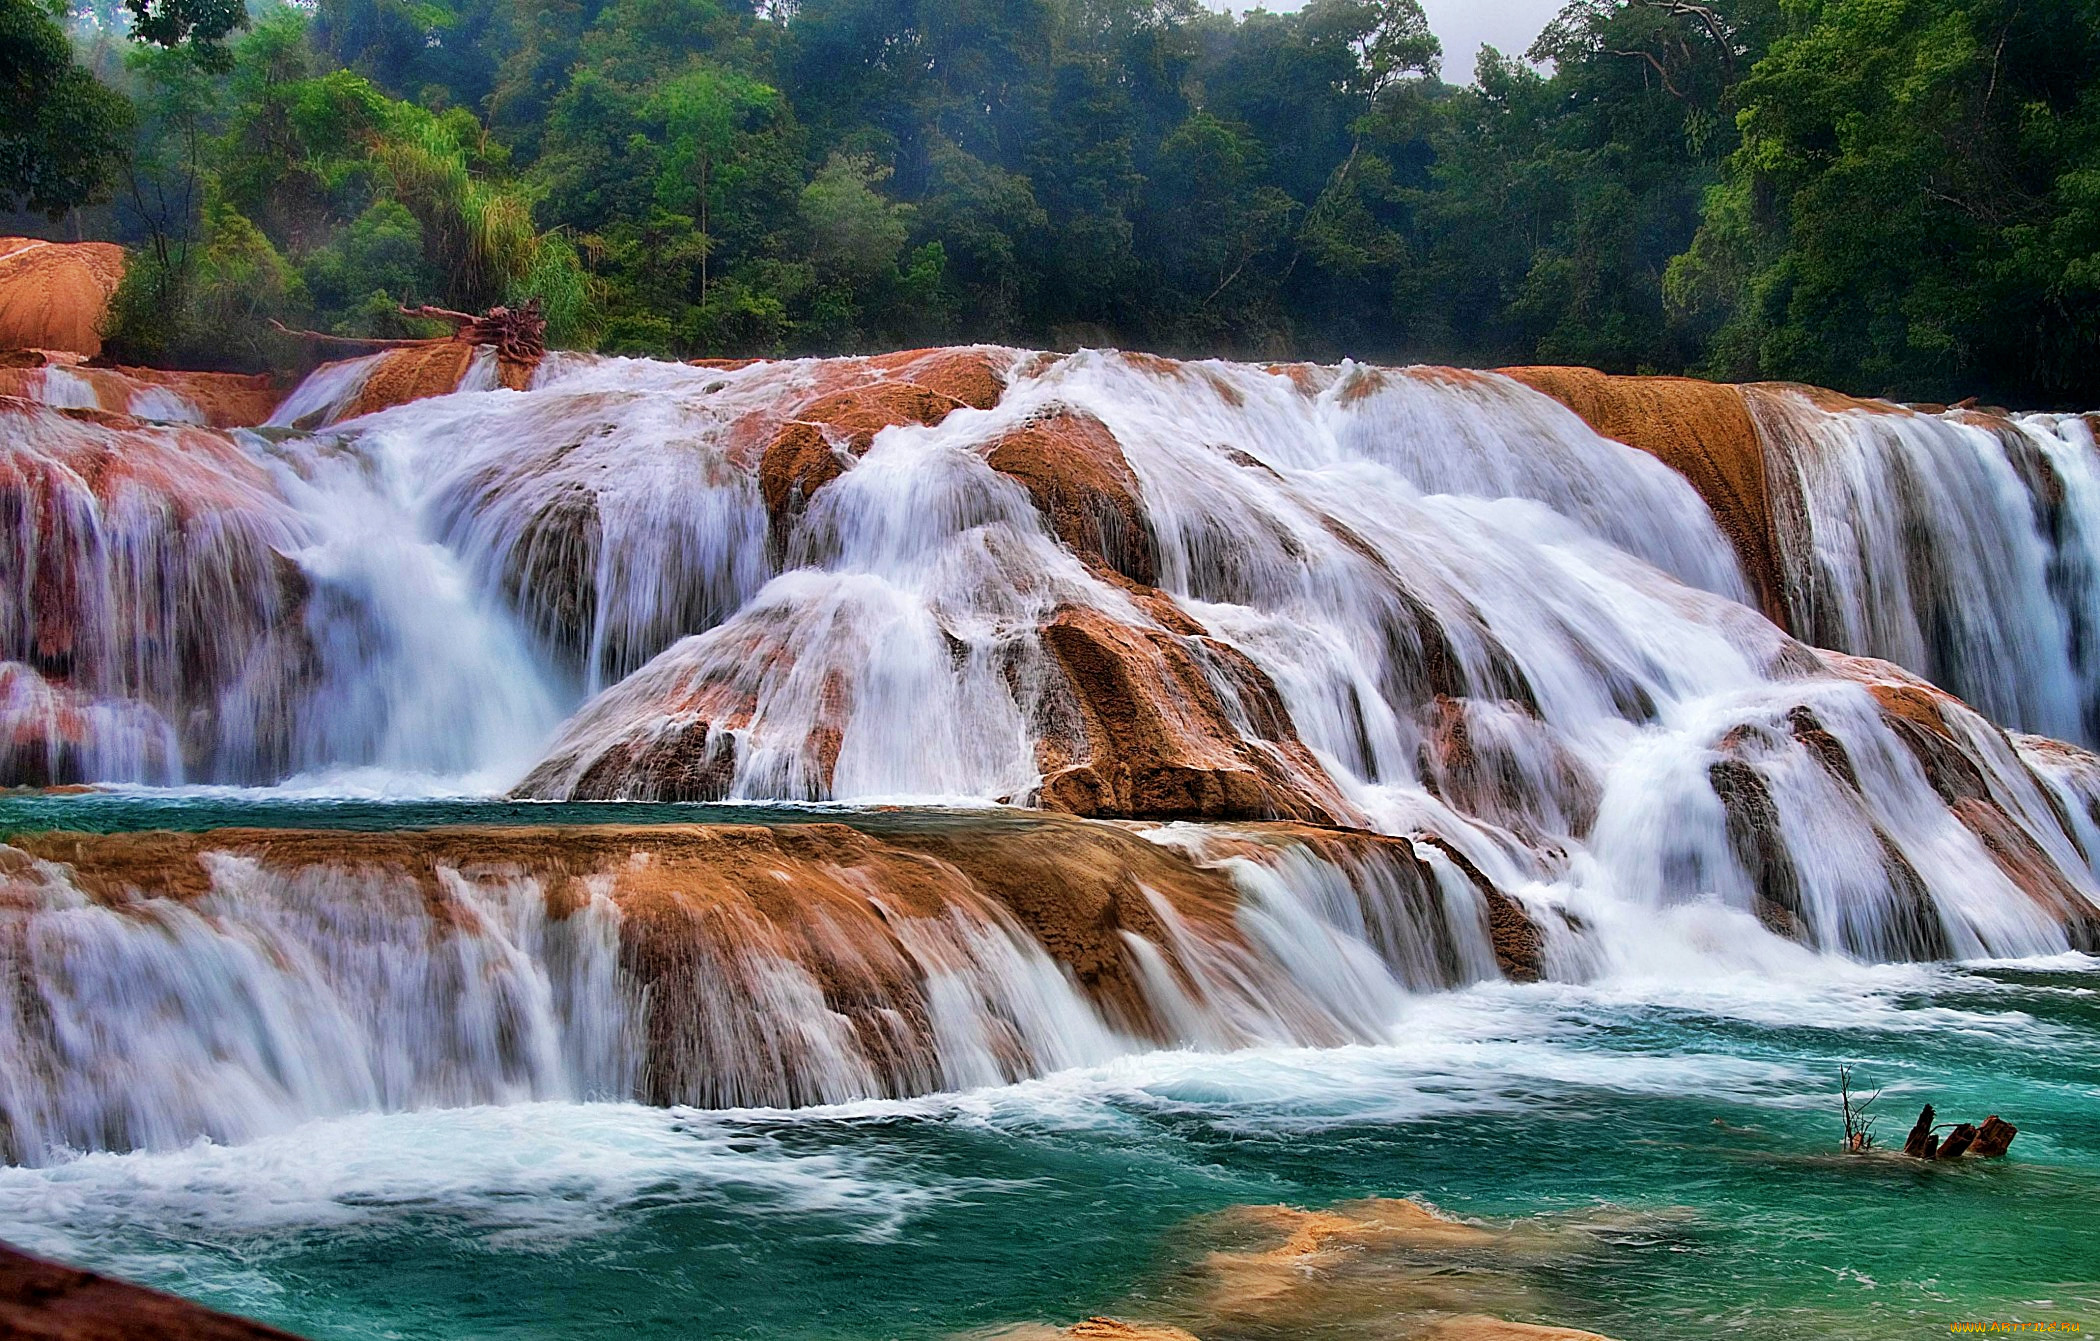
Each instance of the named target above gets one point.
<point>1381,1269</point>
<point>43,1301</point>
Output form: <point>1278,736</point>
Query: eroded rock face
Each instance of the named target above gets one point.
<point>413,373</point>
<point>219,400</point>
<point>153,579</point>
<point>1152,736</point>
<point>43,1301</point>
<point>53,295</point>
<point>1948,740</point>
<point>1075,474</point>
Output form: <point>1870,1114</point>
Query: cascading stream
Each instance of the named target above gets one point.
<point>1429,604</point>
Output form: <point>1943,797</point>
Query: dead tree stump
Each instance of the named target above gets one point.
<point>1920,1143</point>
<point>1957,1142</point>
<point>1994,1136</point>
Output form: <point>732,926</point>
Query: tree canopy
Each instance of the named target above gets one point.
<point>1890,196</point>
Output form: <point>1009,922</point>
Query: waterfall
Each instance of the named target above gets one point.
<point>1957,545</point>
<point>264,983</point>
<point>1418,608</point>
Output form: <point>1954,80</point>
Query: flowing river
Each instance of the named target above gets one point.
<point>792,852</point>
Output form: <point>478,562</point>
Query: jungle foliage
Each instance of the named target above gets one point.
<point>1888,196</point>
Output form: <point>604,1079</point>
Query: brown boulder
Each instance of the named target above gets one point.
<point>1146,733</point>
<point>54,295</point>
<point>972,375</point>
<point>811,449</point>
<point>413,372</point>
<point>1075,473</point>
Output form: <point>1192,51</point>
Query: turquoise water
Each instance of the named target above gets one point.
<point>1675,1138</point>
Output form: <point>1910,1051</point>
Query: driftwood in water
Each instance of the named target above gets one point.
<point>1994,1136</point>
<point>1990,1140</point>
<point>518,335</point>
<point>1958,1142</point>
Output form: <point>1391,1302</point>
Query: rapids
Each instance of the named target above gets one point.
<point>523,813</point>
<point>1424,603</point>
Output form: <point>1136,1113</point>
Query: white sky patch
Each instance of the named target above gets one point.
<point>1465,26</point>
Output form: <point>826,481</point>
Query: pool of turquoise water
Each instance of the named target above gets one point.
<point>1695,1121</point>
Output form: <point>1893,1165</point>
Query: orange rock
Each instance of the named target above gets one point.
<point>811,449</point>
<point>414,372</point>
<point>227,400</point>
<point>1113,1329</point>
<point>704,907</point>
<point>1145,732</point>
<point>1481,1327</point>
<point>1074,471</point>
<point>972,376</point>
<point>43,1301</point>
<point>1702,430</point>
<point>1919,714</point>
<point>54,295</point>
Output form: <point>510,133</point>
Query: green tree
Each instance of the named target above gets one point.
<point>1912,208</point>
<point>61,132</point>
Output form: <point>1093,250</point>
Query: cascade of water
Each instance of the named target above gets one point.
<point>260,993</point>
<point>1420,602</point>
<point>1958,546</point>
<point>190,605</point>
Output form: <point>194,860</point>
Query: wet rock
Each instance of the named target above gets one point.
<point>43,1301</point>
<point>1704,431</point>
<point>975,376</point>
<point>1755,838</point>
<point>788,963</point>
<point>1112,1329</point>
<point>413,372</point>
<point>1074,471</point>
<point>813,448</point>
<point>1150,735</point>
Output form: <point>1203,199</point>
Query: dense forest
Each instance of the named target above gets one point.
<point>1887,196</point>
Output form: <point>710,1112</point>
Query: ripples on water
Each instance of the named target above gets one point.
<point>1691,1129</point>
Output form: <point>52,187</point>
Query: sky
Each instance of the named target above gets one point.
<point>1464,25</point>
<point>1509,25</point>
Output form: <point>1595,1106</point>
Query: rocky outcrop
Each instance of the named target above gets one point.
<point>43,1301</point>
<point>1074,471</point>
<point>154,577</point>
<point>411,373</point>
<point>1143,730</point>
<point>802,961</point>
<point>816,445</point>
<point>1949,740</point>
<point>218,400</point>
<point>55,295</point>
